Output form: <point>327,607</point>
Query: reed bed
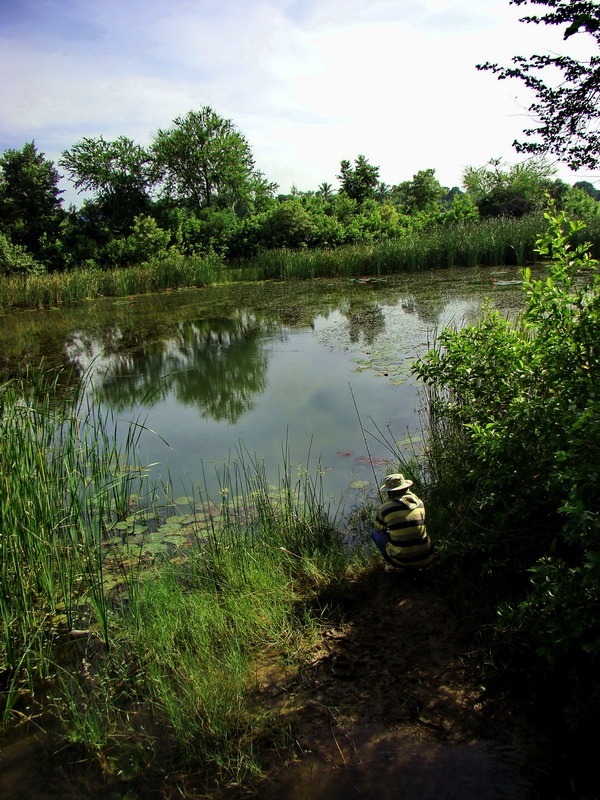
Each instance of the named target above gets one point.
<point>69,288</point>
<point>139,658</point>
<point>488,243</point>
<point>62,482</point>
<point>245,597</point>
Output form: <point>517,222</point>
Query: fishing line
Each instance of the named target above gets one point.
<point>365,441</point>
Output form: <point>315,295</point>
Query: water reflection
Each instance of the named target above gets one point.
<point>216,365</point>
<point>260,364</point>
<point>366,321</point>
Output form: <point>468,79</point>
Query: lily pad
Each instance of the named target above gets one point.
<point>112,541</point>
<point>183,501</point>
<point>186,519</point>
<point>174,538</point>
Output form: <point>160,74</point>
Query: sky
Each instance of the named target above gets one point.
<point>308,82</point>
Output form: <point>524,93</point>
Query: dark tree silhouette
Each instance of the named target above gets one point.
<point>567,108</point>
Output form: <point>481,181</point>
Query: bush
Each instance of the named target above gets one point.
<point>145,241</point>
<point>519,406</point>
<point>15,259</point>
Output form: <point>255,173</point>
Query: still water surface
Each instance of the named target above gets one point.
<point>259,369</point>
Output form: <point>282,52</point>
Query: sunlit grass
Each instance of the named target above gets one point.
<point>151,658</point>
<point>78,285</point>
<point>486,243</point>
<point>62,479</point>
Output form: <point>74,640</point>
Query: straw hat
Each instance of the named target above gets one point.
<point>395,483</point>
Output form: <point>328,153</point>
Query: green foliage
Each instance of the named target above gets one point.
<point>510,191</point>
<point>204,160</point>
<point>423,193</point>
<point>359,181</point>
<point>565,108</point>
<point>518,403</point>
<point>588,188</point>
<point>463,208</point>
<point>15,260</point>
<point>214,202</point>
<point>289,224</point>
<point>119,172</point>
<point>30,203</point>
<point>146,241</point>
<point>579,203</point>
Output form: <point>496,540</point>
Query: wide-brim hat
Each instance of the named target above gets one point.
<point>395,483</point>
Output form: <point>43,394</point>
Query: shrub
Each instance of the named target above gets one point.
<point>519,406</point>
<point>15,259</point>
<point>145,241</point>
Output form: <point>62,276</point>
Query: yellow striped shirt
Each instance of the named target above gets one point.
<point>404,521</point>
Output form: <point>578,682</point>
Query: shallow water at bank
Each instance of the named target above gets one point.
<point>316,372</point>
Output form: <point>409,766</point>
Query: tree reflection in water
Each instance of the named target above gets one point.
<point>206,370</point>
<point>216,365</point>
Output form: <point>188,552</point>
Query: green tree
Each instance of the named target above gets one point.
<point>118,172</point>
<point>510,191</point>
<point>588,188</point>
<point>423,193</point>
<point>15,259</point>
<point>204,160</point>
<point>360,181</point>
<point>30,203</point>
<point>146,241</point>
<point>462,208</point>
<point>325,190</point>
<point>289,224</point>
<point>566,110</point>
<point>579,204</point>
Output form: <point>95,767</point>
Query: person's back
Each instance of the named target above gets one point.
<point>399,527</point>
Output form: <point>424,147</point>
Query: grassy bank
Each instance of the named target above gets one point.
<point>487,243</point>
<point>79,285</point>
<point>492,242</point>
<point>138,638</point>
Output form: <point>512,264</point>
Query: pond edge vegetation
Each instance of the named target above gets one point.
<point>494,242</point>
<point>148,662</point>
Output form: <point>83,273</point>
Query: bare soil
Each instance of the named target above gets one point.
<point>392,704</point>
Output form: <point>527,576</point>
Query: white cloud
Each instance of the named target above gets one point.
<point>307,82</point>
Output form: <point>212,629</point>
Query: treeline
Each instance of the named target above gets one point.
<point>196,191</point>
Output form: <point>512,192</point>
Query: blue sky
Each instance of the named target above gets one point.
<point>308,82</point>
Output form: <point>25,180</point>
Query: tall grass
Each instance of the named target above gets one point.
<point>62,480</point>
<point>161,670</point>
<point>491,242</point>
<point>199,631</point>
<point>171,271</point>
<point>199,628</point>
<point>486,243</point>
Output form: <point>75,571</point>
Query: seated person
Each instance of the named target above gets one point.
<point>399,528</point>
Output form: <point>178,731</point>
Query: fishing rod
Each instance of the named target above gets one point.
<point>366,443</point>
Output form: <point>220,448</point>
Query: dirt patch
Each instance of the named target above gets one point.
<point>392,705</point>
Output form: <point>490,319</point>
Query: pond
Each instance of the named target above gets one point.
<point>316,373</point>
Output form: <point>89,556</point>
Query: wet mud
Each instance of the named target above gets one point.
<point>393,706</point>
